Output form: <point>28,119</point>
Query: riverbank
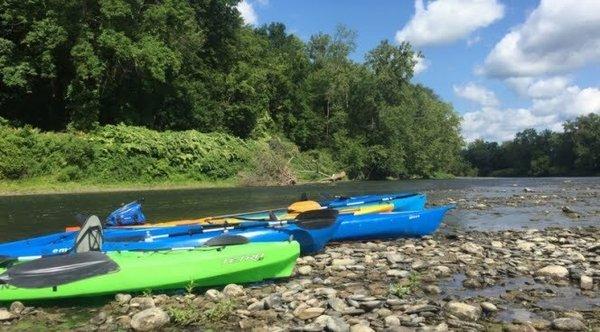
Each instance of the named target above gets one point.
<point>511,280</point>
<point>41,186</point>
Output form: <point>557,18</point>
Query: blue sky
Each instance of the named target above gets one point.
<point>505,65</point>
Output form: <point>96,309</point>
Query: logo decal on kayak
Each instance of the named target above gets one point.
<point>244,258</point>
<point>60,251</point>
<point>414,216</point>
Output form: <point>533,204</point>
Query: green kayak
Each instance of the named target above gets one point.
<point>95,273</point>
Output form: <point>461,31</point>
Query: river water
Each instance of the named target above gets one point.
<point>483,203</point>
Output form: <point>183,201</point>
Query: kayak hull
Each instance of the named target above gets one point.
<point>390,225</point>
<point>202,267</point>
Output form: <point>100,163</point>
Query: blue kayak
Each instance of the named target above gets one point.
<point>401,201</point>
<point>390,225</point>
<point>149,239</point>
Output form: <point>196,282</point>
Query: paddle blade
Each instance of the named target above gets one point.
<point>4,260</point>
<point>317,219</point>
<point>226,240</point>
<point>59,270</point>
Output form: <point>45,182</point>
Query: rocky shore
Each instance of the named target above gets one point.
<point>505,281</point>
<point>494,266</point>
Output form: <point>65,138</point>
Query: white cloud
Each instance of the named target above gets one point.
<point>559,35</point>
<point>247,11</point>
<point>473,40</point>
<point>477,93</point>
<point>553,101</point>
<point>421,64</point>
<point>445,21</point>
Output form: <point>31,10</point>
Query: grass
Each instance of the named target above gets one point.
<point>406,286</point>
<point>190,314</point>
<point>48,185</point>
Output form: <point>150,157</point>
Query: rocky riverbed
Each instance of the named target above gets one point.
<point>525,278</point>
<point>511,280</point>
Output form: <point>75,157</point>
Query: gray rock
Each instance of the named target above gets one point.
<point>149,319</point>
<point>392,320</point>
<point>99,319</point>
<point>488,307</point>
<point>361,328</point>
<point>472,248</point>
<point>553,271</point>
<point>17,307</point>
<point>233,290</point>
<point>397,273</point>
<point>256,306</point>
<point>394,257</point>
<point>337,304</point>
<point>585,282</point>
<point>432,289</point>
<point>463,310</point>
<point>304,270</point>
<point>273,301</point>
<point>214,294</point>
<point>337,324</point>
<point>343,262</point>
<point>6,315</point>
<point>305,312</point>
<point>568,324</point>
<point>142,302</point>
<point>123,298</point>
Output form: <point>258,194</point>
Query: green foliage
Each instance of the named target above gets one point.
<point>406,286</point>
<point>179,65</point>
<point>121,153</point>
<point>189,314</point>
<point>574,152</point>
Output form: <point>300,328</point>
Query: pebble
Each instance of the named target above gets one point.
<point>361,328</point>
<point>214,294</point>
<point>337,324</point>
<point>343,262</point>
<point>553,271</point>
<point>488,307</point>
<point>149,319</point>
<point>6,315</point>
<point>17,307</point>
<point>304,312</point>
<point>305,270</point>
<point>586,282</point>
<point>397,273</point>
<point>568,324</point>
<point>123,298</point>
<point>141,302</point>
<point>472,248</point>
<point>463,310</point>
<point>233,290</point>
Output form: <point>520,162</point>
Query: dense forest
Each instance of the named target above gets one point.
<point>576,151</point>
<point>75,66</point>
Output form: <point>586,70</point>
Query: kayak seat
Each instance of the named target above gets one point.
<point>317,219</point>
<point>303,206</point>
<point>226,240</point>
<point>58,270</point>
<point>90,236</point>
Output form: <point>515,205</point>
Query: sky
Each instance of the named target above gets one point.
<point>505,65</point>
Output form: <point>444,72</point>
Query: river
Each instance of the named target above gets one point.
<point>483,203</point>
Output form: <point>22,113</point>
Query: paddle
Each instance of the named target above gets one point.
<point>316,219</point>
<point>83,261</point>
